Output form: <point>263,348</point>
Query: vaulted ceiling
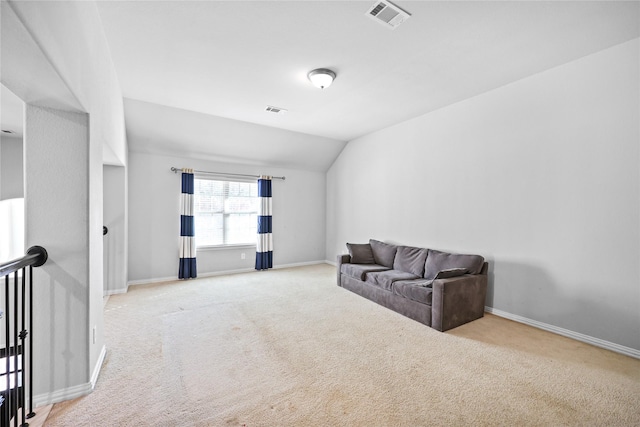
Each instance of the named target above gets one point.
<point>11,113</point>
<point>197,75</point>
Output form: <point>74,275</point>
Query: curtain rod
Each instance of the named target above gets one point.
<point>176,170</point>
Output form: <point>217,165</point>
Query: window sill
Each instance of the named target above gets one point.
<point>225,247</point>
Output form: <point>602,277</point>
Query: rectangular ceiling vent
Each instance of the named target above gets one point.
<point>275,110</point>
<point>387,14</point>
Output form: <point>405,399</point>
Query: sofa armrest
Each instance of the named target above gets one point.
<point>342,259</point>
<point>458,300</point>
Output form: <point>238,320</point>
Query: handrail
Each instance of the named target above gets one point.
<point>36,256</point>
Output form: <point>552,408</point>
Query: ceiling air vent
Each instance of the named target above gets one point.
<point>387,14</point>
<point>275,110</point>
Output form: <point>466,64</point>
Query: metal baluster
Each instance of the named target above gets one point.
<point>7,401</point>
<point>13,398</point>
<point>7,353</point>
<point>31,414</point>
<point>23,335</point>
<point>16,399</point>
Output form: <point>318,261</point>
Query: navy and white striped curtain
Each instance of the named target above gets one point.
<point>187,267</point>
<point>264,249</point>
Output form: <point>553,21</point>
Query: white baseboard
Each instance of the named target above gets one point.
<point>149,281</point>
<point>73,392</point>
<point>221,273</point>
<point>115,291</point>
<point>627,351</point>
<point>98,367</point>
<point>335,264</point>
<point>68,393</point>
<point>298,264</point>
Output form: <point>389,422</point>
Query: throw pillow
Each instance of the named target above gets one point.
<point>361,253</point>
<point>438,261</point>
<point>450,272</point>
<point>410,259</point>
<point>444,274</point>
<point>383,253</point>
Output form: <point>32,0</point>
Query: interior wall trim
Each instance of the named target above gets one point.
<point>220,273</point>
<point>61,395</point>
<point>109,292</point>
<point>607,345</point>
<point>98,367</point>
<point>73,392</point>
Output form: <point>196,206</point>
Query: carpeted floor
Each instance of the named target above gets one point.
<point>289,347</point>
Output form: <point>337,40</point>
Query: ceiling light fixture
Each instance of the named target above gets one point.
<point>321,77</point>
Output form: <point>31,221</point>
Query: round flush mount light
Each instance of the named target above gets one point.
<point>321,77</point>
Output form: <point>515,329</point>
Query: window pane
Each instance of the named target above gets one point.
<point>208,195</point>
<point>225,212</point>
<point>240,199</point>
<point>241,228</point>
<point>209,229</point>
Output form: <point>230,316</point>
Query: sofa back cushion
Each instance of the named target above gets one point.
<point>437,261</point>
<point>361,253</point>
<point>383,253</point>
<point>410,259</point>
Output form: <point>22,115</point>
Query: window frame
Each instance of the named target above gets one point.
<point>225,215</point>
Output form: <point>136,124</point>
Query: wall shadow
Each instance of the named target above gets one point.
<point>63,302</point>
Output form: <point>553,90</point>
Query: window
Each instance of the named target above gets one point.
<point>225,212</point>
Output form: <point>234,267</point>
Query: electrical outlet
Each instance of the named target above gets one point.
<point>242,256</point>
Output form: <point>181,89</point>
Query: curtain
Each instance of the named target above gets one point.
<point>264,249</point>
<point>187,267</point>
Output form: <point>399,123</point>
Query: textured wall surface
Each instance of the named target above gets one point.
<point>57,218</point>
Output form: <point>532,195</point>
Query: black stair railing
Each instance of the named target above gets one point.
<point>16,360</point>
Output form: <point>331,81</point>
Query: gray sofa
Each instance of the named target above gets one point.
<point>439,289</point>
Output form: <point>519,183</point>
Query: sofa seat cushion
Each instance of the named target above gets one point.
<point>384,279</point>
<point>415,290</point>
<point>359,271</point>
<point>438,261</point>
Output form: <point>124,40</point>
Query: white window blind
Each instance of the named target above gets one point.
<point>225,212</point>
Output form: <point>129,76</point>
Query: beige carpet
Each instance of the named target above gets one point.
<point>289,347</point>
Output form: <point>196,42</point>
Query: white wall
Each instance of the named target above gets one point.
<point>11,169</point>
<point>115,242</point>
<point>57,219</point>
<point>71,34</point>
<point>539,176</point>
<point>154,212</point>
<point>59,57</point>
